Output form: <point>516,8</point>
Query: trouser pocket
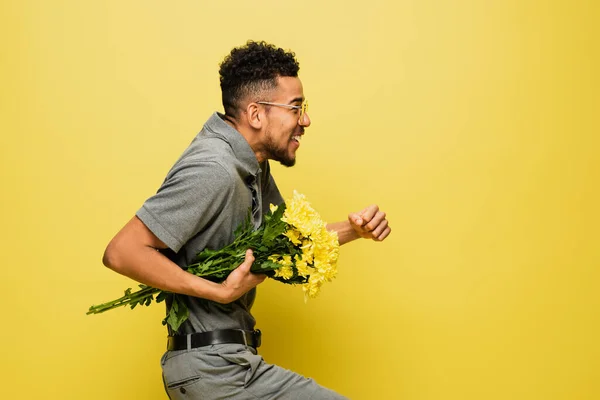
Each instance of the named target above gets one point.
<point>181,380</point>
<point>248,361</point>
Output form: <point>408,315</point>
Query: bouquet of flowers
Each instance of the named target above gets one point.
<point>292,246</point>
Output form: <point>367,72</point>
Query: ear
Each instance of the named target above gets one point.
<point>254,116</point>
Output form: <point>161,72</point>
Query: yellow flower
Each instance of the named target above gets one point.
<point>312,288</point>
<point>293,235</point>
<point>319,247</point>
<point>326,270</point>
<point>301,215</point>
<point>286,261</point>
<point>303,269</point>
<point>285,272</point>
<point>307,250</point>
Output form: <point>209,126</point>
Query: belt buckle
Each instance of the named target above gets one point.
<point>257,335</point>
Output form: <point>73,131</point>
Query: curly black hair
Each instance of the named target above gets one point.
<point>252,69</point>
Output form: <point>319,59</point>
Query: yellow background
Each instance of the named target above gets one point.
<point>474,124</point>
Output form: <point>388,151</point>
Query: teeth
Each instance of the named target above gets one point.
<point>296,138</point>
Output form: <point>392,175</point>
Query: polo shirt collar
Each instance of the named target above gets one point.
<point>238,143</point>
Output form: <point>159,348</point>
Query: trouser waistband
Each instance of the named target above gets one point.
<point>221,336</point>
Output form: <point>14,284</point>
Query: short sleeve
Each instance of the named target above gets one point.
<point>187,201</point>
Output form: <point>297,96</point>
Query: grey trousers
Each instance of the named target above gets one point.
<point>234,371</point>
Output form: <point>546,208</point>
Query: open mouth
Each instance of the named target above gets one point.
<point>296,138</point>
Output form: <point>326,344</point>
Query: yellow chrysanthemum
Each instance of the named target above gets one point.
<point>321,251</point>
<point>319,247</point>
<point>307,250</point>
<point>326,270</point>
<point>301,215</point>
<point>312,288</point>
<point>286,261</point>
<point>285,272</point>
<point>293,235</point>
<point>303,269</point>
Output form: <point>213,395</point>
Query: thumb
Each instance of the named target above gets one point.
<point>356,219</point>
<point>248,260</point>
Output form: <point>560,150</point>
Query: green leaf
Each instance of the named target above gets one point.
<point>162,297</point>
<point>246,225</point>
<point>266,265</point>
<point>178,313</point>
<point>274,226</point>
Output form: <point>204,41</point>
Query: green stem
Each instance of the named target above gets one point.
<point>141,295</point>
<point>221,261</point>
<point>122,301</point>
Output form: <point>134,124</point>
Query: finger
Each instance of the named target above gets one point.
<point>375,221</point>
<point>258,278</point>
<point>379,228</point>
<point>248,260</point>
<point>384,234</point>
<point>356,219</point>
<point>368,213</point>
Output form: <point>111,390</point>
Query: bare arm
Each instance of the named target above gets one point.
<point>370,223</point>
<point>133,252</point>
<point>344,230</point>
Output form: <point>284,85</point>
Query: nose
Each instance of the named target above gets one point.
<point>305,120</point>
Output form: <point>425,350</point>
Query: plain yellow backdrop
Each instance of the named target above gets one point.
<point>473,124</point>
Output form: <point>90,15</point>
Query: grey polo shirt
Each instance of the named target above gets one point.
<point>204,198</point>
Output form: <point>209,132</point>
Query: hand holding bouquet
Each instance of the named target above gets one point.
<point>292,245</point>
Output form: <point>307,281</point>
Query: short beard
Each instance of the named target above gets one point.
<point>278,154</point>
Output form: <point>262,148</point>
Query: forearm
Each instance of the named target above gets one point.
<point>148,266</point>
<point>344,230</point>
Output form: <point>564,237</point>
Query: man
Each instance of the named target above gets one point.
<point>205,196</point>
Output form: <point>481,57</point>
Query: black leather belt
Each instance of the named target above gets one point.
<point>199,339</point>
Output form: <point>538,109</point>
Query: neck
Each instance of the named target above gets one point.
<point>249,134</point>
